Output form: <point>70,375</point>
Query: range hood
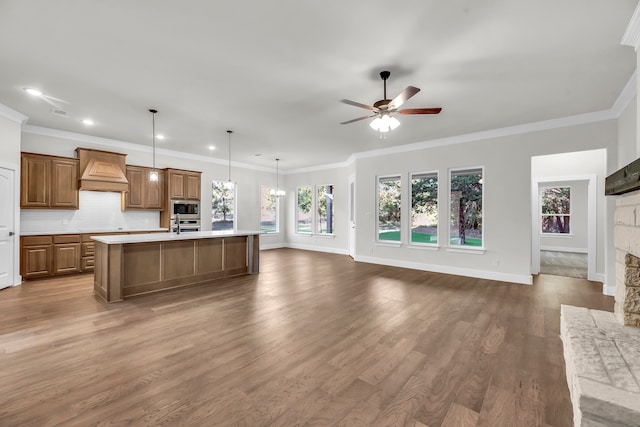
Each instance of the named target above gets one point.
<point>102,170</point>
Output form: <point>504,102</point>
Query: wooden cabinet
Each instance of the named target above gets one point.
<point>143,193</point>
<point>36,256</point>
<point>43,256</point>
<point>66,254</point>
<point>183,185</point>
<point>48,182</point>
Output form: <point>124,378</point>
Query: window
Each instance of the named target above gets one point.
<point>424,208</point>
<point>556,210</point>
<point>268,210</point>
<point>466,207</point>
<point>389,197</point>
<point>304,211</point>
<point>324,202</point>
<point>223,196</point>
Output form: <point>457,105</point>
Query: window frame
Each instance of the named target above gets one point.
<point>317,229</point>
<point>311,211</point>
<point>541,215</point>
<point>410,207</point>
<point>465,248</point>
<point>235,203</point>
<point>277,210</point>
<point>377,240</point>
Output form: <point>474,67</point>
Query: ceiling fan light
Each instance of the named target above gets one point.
<point>375,124</point>
<point>393,123</point>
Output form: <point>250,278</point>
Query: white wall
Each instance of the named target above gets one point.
<point>10,123</point>
<point>628,143</point>
<point>248,180</point>
<point>336,176</point>
<point>507,203</point>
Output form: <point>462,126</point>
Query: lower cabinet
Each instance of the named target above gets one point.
<point>36,257</point>
<point>52,255</point>
<point>43,256</point>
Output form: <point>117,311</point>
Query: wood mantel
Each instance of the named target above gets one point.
<point>128,265</point>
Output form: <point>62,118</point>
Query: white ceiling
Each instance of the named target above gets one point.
<point>274,71</point>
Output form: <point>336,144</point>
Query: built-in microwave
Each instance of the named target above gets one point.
<point>185,208</point>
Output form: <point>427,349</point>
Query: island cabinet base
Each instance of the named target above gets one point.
<point>127,269</point>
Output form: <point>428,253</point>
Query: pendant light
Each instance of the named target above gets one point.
<point>277,192</point>
<point>229,184</point>
<point>153,175</point>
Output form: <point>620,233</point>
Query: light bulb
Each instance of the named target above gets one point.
<point>153,176</point>
<point>393,123</point>
<point>375,124</point>
<point>33,92</point>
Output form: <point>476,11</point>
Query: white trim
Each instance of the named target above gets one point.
<point>16,278</point>
<point>129,146</point>
<point>266,247</point>
<point>424,246</point>
<point>524,279</point>
<point>536,184</point>
<point>388,243</point>
<point>564,249</point>
<point>625,97</point>
<point>377,205</point>
<point>607,290</point>
<point>466,250</point>
<point>13,115</point>
<point>339,251</point>
<point>463,248</point>
<point>631,36</point>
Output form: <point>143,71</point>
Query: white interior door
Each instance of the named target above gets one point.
<point>352,216</point>
<point>7,219</point>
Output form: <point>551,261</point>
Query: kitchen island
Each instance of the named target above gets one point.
<point>128,265</point>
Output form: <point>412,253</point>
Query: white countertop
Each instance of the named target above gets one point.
<point>166,237</point>
<point>93,230</point>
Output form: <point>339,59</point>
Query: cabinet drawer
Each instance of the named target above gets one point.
<point>88,249</point>
<point>66,238</point>
<point>88,263</point>
<point>36,240</point>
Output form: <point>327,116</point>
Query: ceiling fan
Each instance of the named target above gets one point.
<point>382,109</point>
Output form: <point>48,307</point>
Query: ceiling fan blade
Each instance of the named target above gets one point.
<point>358,104</point>
<point>403,97</point>
<point>420,110</point>
<point>358,119</point>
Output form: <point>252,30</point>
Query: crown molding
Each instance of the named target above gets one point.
<point>631,36</point>
<point>12,114</point>
<point>579,119</point>
<point>625,97</point>
<point>337,165</point>
<point>129,146</point>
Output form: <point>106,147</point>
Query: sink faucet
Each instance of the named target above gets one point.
<point>178,223</point>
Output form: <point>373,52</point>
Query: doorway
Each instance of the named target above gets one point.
<point>564,239</point>
<point>7,227</point>
<point>352,216</point>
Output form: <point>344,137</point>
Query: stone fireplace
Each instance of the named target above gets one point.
<point>601,350</point>
<point>627,244</point>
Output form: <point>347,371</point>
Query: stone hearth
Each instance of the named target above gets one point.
<point>602,360</point>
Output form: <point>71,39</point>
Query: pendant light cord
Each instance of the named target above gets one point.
<point>229,132</point>
<point>153,136</point>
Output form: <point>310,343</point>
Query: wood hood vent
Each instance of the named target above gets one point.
<point>102,170</point>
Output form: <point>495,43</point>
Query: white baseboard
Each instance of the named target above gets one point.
<point>339,251</point>
<point>608,290</point>
<point>524,279</point>
<point>563,249</point>
<point>597,277</point>
<point>265,247</point>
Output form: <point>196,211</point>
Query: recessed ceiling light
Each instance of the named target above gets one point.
<point>160,136</point>
<point>32,91</point>
<point>258,155</point>
<point>87,122</point>
<point>211,147</point>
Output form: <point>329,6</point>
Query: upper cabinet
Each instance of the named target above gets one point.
<point>48,182</point>
<point>183,185</point>
<point>143,193</point>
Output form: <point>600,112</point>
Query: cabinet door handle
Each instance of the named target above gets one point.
<point>11,233</point>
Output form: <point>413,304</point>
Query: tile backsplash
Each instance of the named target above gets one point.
<point>98,211</point>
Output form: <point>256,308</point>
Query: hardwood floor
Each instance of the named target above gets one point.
<point>315,339</point>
